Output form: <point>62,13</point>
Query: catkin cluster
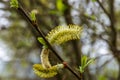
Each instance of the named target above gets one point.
<point>59,35</point>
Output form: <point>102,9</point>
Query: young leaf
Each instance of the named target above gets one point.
<point>60,6</point>
<point>88,62</point>
<point>41,40</point>
<point>32,15</point>
<point>84,63</point>
<point>81,69</point>
<point>84,60</point>
<point>14,3</point>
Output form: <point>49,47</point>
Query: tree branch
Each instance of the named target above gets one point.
<point>114,35</point>
<point>112,26</point>
<point>35,25</point>
<point>100,4</point>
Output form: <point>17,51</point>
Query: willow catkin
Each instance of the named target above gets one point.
<point>44,58</point>
<point>46,72</point>
<point>62,34</point>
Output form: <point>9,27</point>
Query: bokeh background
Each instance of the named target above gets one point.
<point>100,38</point>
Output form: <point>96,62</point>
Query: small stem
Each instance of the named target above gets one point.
<point>70,69</point>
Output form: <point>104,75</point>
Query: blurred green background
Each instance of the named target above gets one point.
<point>100,39</point>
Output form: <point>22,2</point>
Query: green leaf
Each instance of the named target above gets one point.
<point>14,3</point>
<point>60,6</point>
<point>32,15</point>
<point>41,40</point>
<point>81,69</point>
<point>88,62</point>
<point>84,63</point>
<point>84,60</point>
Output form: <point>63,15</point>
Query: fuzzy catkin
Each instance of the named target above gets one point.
<point>44,58</point>
<point>46,72</point>
<point>63,34</point>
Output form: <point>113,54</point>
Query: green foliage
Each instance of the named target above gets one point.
<point>14,3</point>
<point>32,15</point>
<point>60,6</point>
<point>42,41</point>
<point>84,63</point>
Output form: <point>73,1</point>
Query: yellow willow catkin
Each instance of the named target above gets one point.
<point>62,34</point>
<point>46,72</point>
<point>44,58</point>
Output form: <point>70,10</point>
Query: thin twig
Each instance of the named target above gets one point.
<point>35,25</point>
<point>100,4</point>
<point>112,26</point>
<point>105,63</point>
<point>98,57</point>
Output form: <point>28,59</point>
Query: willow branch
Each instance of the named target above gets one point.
<point>112,26</point>
<point>100,4</point>
<point>35,25</point>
